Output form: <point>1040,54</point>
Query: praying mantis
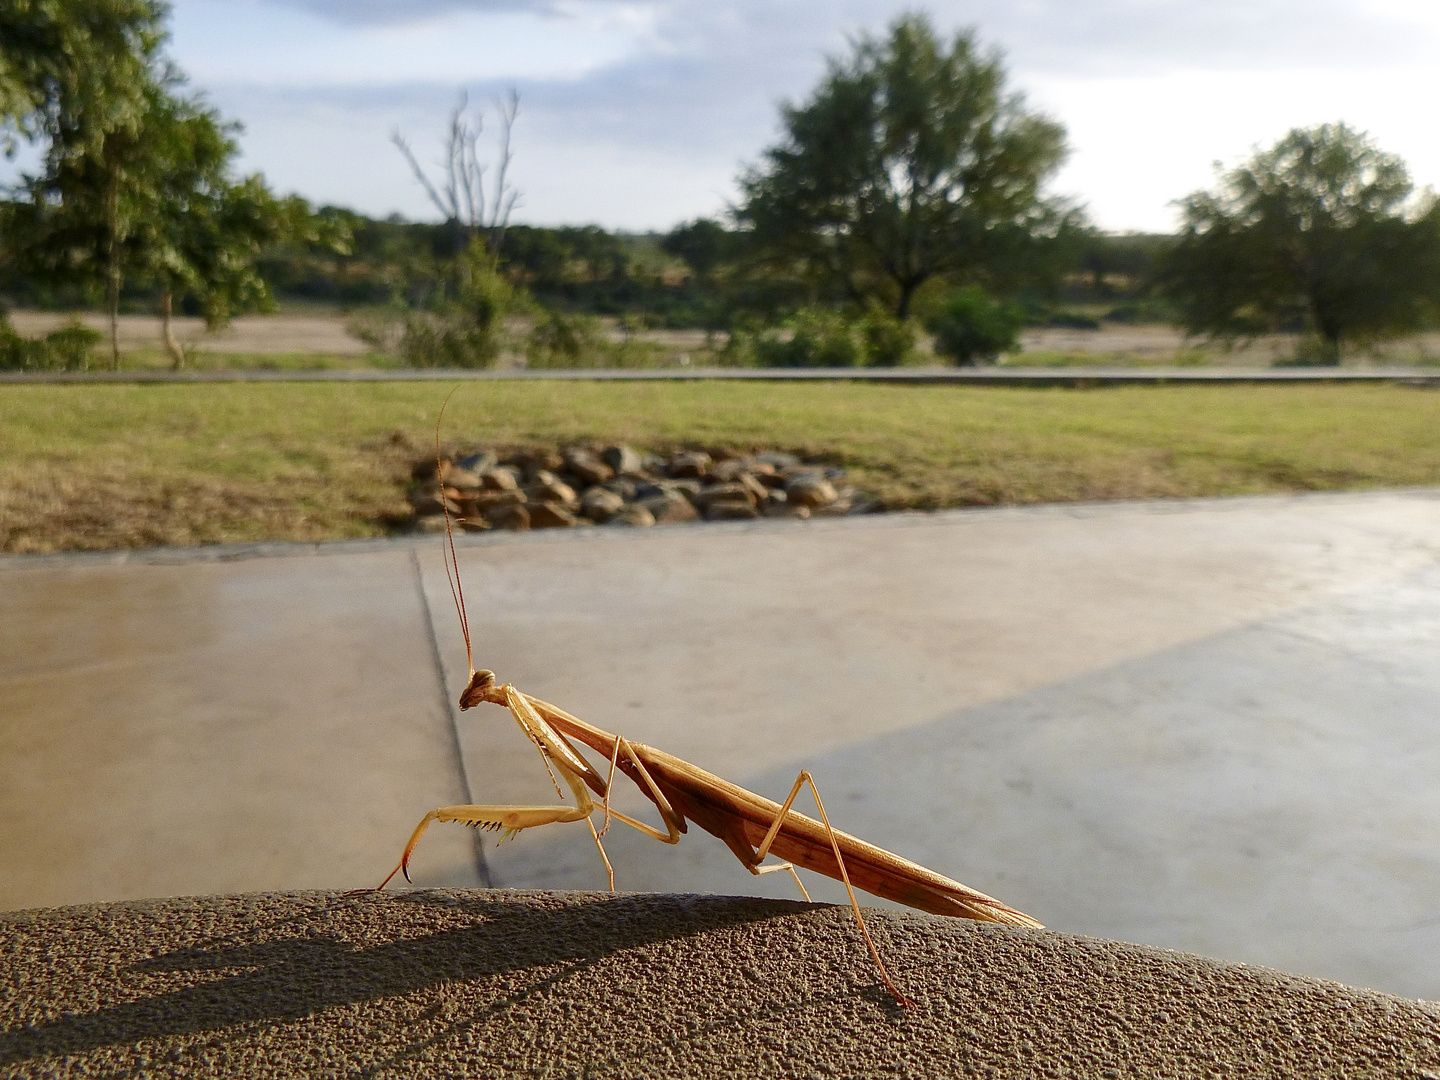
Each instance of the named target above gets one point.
<point>751,826</point>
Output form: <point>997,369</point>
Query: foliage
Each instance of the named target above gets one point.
<point>464,325</point>
<point>1321,233</point>
<point>66,349</point>
<point>825,337</point>
<point>566,341</point>
<point>971,326</point>
<point>909,161</point>
<point>75,66</point>
<point>147,193</point>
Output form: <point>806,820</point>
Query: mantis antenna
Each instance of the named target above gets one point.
<point>452,564</point>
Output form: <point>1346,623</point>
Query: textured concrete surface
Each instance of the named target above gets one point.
<point>1205,725</point>
<point>485,984</point>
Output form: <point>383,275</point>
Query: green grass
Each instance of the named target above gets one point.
<point>100,466</point>
<point>149,359</point>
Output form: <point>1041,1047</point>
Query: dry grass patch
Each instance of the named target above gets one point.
<point>94,466</point>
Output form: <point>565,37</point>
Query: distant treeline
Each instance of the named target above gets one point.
<point>699,275</point>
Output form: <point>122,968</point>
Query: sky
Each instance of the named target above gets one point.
<point>640,114</point>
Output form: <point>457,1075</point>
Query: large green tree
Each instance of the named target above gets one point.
<point>71,63</point>
<point>145,192</point>
<point>910,161</point>
<point>1322,233</point>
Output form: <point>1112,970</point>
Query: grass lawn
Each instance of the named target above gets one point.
<point>96,466</point>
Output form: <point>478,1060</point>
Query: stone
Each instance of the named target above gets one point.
<point>425,500</point>
<point>689,488</point>
<point>838,508</point>
<point>624,486</point>
<point>785,510</point>
<point>585,465</point>
<point>511,516</point>
<point>601,503</point>
<point>550,515</point>
<point>622,459</point>
<point>730,510</point>
<point>632,514</point>
<point>499,479</point>
<point>729,470</point>
<point>777,459</point>
<point>477,463</point>
<point>688,463</point>
<point>810,489</point>
<point>547,487</point>
<point>459,478</point>
<point>474,524</point>
<point>758,491</point>
<point>670,508</point>
<point>430,523</point>
<point>535,462</point>
<point>736,492</point>
<point>485,500</point>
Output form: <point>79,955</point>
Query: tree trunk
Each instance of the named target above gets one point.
<point>112,262</point>
<point>177,354</point>
<point>907,294</point>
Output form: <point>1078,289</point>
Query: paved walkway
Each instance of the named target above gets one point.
<point>1206,725</point>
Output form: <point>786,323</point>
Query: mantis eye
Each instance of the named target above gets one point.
<point>483,678</point>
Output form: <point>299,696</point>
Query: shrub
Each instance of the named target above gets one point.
<point>567,341</point>
<point>971,327</point>
<point>66,349</point>
<point>824,338</point>
<point>889,342</point>
<point>464,326</point>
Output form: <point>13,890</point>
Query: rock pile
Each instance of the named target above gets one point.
<point>618,485</point>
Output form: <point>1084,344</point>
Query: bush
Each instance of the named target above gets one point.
<point>464,325</point>
<point>889,342</point>
<point>66,349</point>
<point>567,341</point>
<point>972,328</point>
<point>825,338</point>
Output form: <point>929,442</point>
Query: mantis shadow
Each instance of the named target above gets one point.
<point>313,967</point>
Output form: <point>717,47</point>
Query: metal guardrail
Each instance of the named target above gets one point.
<point>978,376</point>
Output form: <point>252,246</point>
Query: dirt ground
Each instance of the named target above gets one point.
<point>283,333</point>
<point>325,333</point>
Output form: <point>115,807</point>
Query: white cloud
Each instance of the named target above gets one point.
<point>638,112</point>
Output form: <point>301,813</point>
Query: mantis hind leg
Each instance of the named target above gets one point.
<point>764,848</point>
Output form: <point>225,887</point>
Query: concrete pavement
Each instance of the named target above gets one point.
<point>1205,725</point>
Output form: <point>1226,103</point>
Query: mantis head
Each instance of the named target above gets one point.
<point>481,688</point>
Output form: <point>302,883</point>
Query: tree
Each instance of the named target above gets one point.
<point>147,192</point>
<point>1322,233</point>
<point>61,60</point>
<point>909,161</point>
<point>461,195</point>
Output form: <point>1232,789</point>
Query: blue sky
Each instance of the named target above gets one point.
<point>638,114</point>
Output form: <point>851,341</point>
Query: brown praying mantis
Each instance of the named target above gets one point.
<point>752,826</point>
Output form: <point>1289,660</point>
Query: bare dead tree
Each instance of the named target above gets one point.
<point>461,194</point>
